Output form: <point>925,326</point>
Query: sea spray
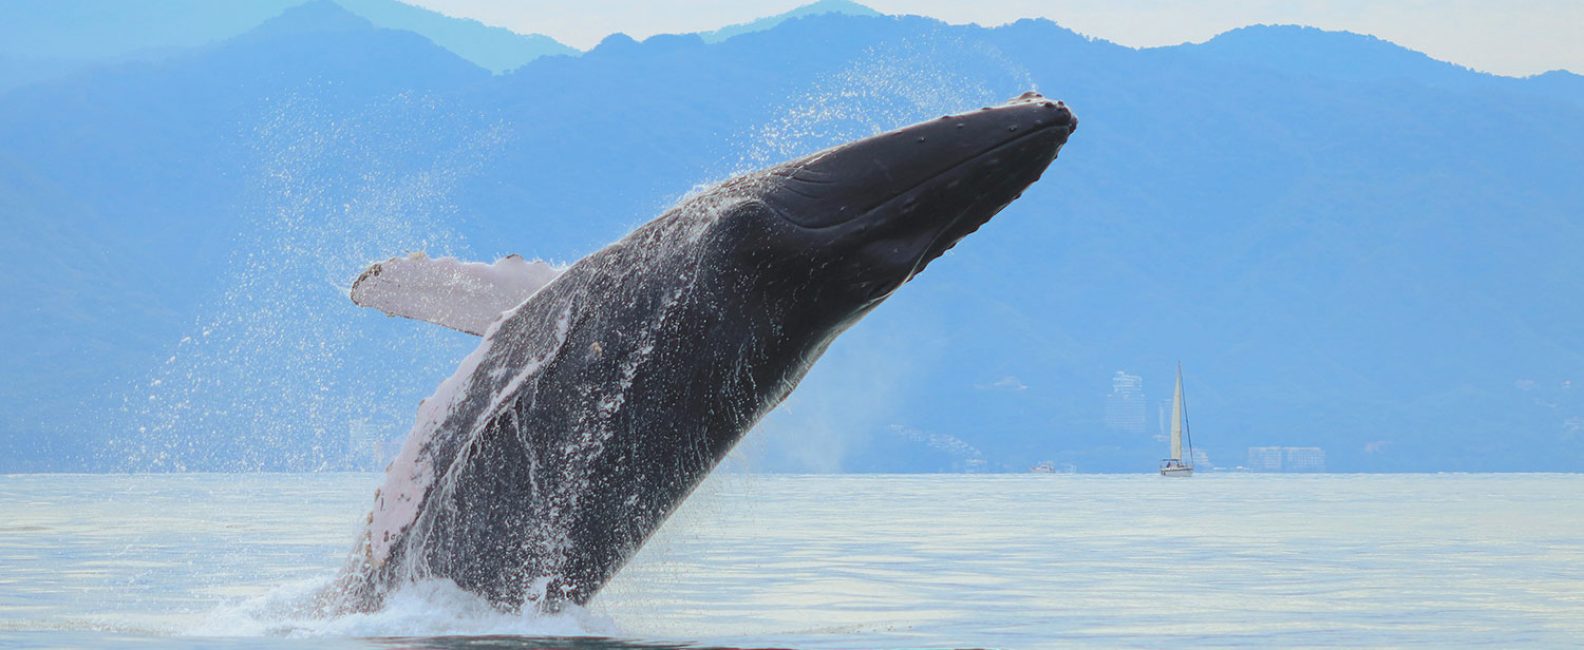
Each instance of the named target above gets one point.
<point>418,609</point>
<point>277,367</point>
<point>891,84</point>
<point>854,392</point>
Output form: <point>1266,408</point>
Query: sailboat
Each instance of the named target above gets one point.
<point>1176,466</point>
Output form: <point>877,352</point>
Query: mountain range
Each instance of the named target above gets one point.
<point>1347,244</point>
<point>48,40</point>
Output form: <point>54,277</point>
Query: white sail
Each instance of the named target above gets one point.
<point>1177,419</point>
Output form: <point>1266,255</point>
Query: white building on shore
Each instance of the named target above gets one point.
<point>1286,459</point>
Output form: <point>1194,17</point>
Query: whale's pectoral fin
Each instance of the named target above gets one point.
<point>465,296</point>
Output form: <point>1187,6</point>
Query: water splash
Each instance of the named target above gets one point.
<point>849,396</point>
<point>279,368</point>
<point>424,608</point>
<point>891,84</point>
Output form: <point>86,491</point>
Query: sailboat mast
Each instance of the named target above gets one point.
<point>1177,418</point>
<point>1187,428</point>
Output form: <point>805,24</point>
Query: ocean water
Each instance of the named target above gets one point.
<point>1018,561</point>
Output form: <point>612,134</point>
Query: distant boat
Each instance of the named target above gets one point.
<point>1175,466</point>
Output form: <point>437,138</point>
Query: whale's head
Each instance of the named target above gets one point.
<point>855,222</point>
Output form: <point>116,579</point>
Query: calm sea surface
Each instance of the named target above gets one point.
<point>842,561</point>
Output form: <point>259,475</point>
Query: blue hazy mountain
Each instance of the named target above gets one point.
<point>1377,258</point>
<point>1360,58</point>
<point>817,8</point>
<point>130,189</point>
<point>46,40</point>
<point>494,48</point>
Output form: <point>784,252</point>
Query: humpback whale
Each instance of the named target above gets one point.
<point>601,394</point>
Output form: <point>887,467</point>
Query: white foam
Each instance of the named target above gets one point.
<point>423,608</point>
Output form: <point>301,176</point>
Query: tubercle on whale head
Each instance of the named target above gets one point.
<point>863,218</point>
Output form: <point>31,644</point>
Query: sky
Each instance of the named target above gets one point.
<point>1510,37</point>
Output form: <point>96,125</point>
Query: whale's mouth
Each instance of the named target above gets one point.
<point>980,157</point>
<point>807,176</point>
<point>880,175</point>
<point>984,185</point>
<point>890,204</point>
<point>975,216</point>
<point>992,184</point>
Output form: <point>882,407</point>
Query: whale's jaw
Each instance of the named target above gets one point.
<point>890,204</point>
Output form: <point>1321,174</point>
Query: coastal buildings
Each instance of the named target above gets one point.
<point>1286,459</point>
<point>1125,406</point>
<point>368,446</point>
<point>363,442</point>
<point>1303,459</point>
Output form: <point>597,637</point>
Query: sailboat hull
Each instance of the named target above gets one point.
<point>1177,471</point>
